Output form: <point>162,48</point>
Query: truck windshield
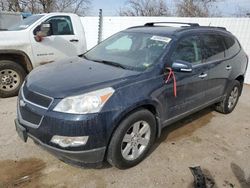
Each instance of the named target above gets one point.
<point>24,24</point>
<point>130,50</point>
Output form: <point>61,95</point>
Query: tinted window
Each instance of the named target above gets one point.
<point>188,49</point>
<point>213,48</point>
<point>61,25</point>
<point>232,46</point>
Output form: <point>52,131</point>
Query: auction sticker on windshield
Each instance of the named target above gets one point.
<point>160,38</point>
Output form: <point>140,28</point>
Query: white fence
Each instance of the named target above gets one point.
<point>240,27</point>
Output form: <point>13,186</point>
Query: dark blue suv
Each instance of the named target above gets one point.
<point>112,103</point>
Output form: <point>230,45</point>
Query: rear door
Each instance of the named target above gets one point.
<point>62,43</point>
<point>191,86</point>
<point>219,68</point>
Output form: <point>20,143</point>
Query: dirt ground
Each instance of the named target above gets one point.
<point>219,143</point>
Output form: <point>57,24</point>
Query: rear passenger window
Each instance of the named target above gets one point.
<point>213,48</point>
<point>232,46</point>
<point>188,49</point>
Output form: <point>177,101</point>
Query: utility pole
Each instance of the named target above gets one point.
<point>100,26</point>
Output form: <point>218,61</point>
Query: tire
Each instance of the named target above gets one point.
<point>12,76</point>
<point>230,101</point>
<point>121,152</point>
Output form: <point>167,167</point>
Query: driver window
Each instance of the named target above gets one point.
<point>61,25</point>
<point>189,50</point>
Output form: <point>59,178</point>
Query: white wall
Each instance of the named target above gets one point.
<point>240,27</point>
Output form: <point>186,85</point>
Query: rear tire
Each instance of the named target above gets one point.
<point>12,76</point>
<point>132,139</point>
<point>230,101</point>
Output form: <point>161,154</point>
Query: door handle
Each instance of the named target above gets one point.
<point>74,40</point>
<point>203,75</point>
<point>228,67</point>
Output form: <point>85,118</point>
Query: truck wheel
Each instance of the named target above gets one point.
<point>229,102</point>
<point>12,76</point>
<point>132,139</point>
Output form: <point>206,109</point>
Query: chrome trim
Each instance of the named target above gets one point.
<point>203,75</point>
<point>186,70</point>
<point>24,122</point>
<point>228,67</point>
<point>46,108</point>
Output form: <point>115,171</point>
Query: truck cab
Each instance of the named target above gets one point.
<point>25,46</point>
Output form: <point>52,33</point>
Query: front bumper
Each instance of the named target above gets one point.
<point>93,156</point>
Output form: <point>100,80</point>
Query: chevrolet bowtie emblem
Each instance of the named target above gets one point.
<point>22,103</point>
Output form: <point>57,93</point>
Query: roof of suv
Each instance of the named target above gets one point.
<point>154,28</point>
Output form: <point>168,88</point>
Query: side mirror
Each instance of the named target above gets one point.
<point>182,66</point>
<point>45,30</point>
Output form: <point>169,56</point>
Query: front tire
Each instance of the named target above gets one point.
<point>12,76</point>
<point>230,101</point>
<point>132,139</point>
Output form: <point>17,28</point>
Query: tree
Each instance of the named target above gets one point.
<point>241,12</point>
<point>145,8</point>
<point>195,8</point>
<point>44,6</point>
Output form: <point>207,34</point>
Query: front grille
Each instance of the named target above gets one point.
<point>29,116</point>
<point>36,98</point>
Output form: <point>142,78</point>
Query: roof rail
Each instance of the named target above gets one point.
<point>151,24</point>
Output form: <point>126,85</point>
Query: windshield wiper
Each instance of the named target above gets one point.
<point>111,63</point>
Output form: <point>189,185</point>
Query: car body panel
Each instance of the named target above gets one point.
<point>133,90</point>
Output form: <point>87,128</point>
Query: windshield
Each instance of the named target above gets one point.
<point>24,24</point>
<point>136,51</point>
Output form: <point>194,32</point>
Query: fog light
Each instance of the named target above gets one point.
<point>65,141</point>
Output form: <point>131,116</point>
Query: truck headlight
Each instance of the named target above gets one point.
<point>91,102</point>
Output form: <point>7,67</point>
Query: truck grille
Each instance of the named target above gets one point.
<point>36,98</point>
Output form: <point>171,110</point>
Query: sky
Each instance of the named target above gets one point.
<point>111,7</point>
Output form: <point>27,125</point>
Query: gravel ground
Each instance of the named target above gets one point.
<point>219,143</point>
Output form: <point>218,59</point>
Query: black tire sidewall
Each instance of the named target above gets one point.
<point>114,151</point>
<point>7,64</point>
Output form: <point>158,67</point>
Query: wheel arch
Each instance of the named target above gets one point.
<point>14,55</point>
<point>241,80</point>
<point>150,106</point>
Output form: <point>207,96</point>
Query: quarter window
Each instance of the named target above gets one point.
<point>188,49</point>
<point>232,46</point>
<point>213,48</point>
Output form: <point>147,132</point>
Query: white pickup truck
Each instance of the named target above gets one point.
<point>37,40</point>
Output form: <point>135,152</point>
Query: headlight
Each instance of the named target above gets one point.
<point>87,103</point>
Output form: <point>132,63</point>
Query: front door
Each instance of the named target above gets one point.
<point>62,43</point>
<point>191,86</point>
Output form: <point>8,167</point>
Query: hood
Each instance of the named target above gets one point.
<point>13,39</point>
<point>75,76</point>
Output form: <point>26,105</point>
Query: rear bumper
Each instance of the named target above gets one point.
<point>86,157</point>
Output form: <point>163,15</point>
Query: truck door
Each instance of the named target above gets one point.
<point>63,41</point>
